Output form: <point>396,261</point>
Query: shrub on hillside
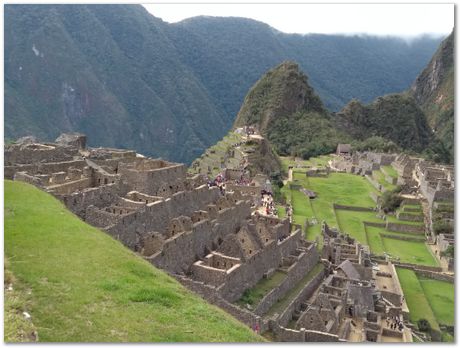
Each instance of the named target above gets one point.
<point>390,200</point>
<point>442,226</point>
<point>424,325</point>
<point>449,252</point>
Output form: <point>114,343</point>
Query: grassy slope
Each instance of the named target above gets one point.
<point>440,295</point>
<point>415,297</point>
<point>87,287</point>
<point>17,328</point>
<point>380,177</point>
<point>408,251</point>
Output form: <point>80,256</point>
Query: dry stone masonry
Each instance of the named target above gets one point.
<point>220,240</point>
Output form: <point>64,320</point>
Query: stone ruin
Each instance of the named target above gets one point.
<point>362,163</point>
<point>213,242</point>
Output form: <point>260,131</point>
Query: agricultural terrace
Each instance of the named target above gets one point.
<point>390,171</point>
<point>353,190</point>
<point>299,164</point>
<point>429,299</point>
<point>212,157</point>
<point>379,176</point>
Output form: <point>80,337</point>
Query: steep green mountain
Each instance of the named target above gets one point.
<point>433,91</point>
<point>82,285</point>
<point>279,93</point>
<point>420,119</point>
<point>394,117</point>
<point>128,79</point>
<point>286,110</point>
<point>108,71</point>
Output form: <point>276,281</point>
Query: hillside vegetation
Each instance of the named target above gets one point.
<point>129,80</point>
<point>434,92</point>
<point>86,287</point>
<point>291,115</point>
<point>394,117</point>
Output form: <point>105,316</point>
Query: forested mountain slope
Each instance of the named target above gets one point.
<point>130,80</point>
<point>434,92</point>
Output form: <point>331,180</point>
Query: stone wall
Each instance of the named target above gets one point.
<point>392,333</point>
<point>410,201</point>
<point>99,217</point>
<point>250,272</point>
<point>375,224</point>
<point>284,317</point>
<point>69,187</point>
<point>305,264</point>
<point>351,208</point>
<point>157,215</point>
<point>101,196</point>
<point>24,177</point>
<point>244,189</point>
<point>374,183</point>
<point>406,238</point>
<point>156,181</point>
<point>415,267</point>
<point>34,153</point>
<point>211,295</point>
<point>284,334</point>
<point>395,227</point>
<point>179,252</point>
<point>435,275</point>
<point>392,297</point>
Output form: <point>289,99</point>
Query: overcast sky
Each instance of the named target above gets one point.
<point>406,20</point>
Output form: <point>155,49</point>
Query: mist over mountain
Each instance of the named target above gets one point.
<point>128,79</point>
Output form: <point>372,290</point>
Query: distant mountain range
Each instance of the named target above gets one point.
<point>130,80</point>
<point>287,110</point>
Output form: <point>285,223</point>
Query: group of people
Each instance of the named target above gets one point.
<point>395,323</point>
<point>243,181</point>
<point>219,181</point>
<point>268,203</point>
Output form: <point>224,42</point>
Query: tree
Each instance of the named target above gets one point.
<point>424,325</point>
<point>449,252</point>
<point>390,200</point>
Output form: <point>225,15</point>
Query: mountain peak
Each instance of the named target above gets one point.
<point>281,92</point>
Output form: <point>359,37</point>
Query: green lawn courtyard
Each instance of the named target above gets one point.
<point>419,307</point>
<point>353,190</point>
<point>428,299</point>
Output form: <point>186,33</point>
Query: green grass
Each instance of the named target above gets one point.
<point>16,301</point>
<point>214,155</point>
<point>341,188</point>
<point>447,337</point>
<point>380,178</point>
<point>283,302</point>
<point>409,252</point>
<point>375,237</point>
<point>419,308</point>
<point>319,162</point>
<point>301,204</point>
<point>281,211</point>
<point>351,222</point>
<point>302,211</point>
<point>392,218</point>
<point>263,287</point>
<point>440,296</point>
<point>87,287</point>
<point>375,241</point>
<point>390,171</point>
<point>412,206</point>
